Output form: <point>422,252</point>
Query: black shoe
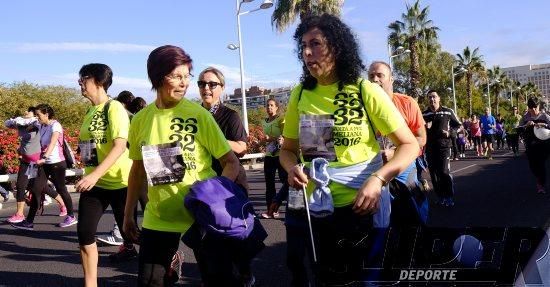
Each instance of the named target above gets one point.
<point>124,254</point>
<point>25,225</point>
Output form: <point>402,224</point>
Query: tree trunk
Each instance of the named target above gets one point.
<point>497,100</point>
<point>414,71</point>
<point>469,91</point>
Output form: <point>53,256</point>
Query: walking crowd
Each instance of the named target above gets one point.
<point>348,151</point>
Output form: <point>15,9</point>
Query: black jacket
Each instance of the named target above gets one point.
<point>444,119</point>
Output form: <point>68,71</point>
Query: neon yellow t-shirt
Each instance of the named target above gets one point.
<point>102,133</point>
<point>354,141</point>
<point>273,129</point>
<point>200,138</point>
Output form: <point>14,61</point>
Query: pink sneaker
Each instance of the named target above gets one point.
<point>540,189</point>
<point>15,218</point>
<point>62,210</point>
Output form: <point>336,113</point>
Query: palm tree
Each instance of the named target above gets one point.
<point>413,32</point>
<point>286,11</point>
<point>530,90</point>
<point>500,83</point>
<point>473,63</point>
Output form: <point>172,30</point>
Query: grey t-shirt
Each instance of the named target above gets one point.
<point>29,148</point>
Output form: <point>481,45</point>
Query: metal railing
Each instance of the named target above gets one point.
<point>253,157</point>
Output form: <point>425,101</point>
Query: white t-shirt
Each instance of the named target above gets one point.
<point>45,132</point>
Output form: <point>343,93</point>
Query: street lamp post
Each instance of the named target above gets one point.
<point>398,52</point>
<point>489,90</point>
<point>265,5</point>
<point>453,74</point>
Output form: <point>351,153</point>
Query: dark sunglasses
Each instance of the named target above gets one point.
<point>211,85</point>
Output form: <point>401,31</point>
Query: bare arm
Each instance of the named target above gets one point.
<point>288,156</point>
<point>368,196</point>
<point>89,181</point>
<point>238,147</point>
<point>230,164</point>
<point>135,185</point>
<point>49,149</point>
<point>420,135</point>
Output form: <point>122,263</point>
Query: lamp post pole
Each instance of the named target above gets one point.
<point>265,5</point>
<point>489,93</point>
<point>453,74</point>
<point>454,93</point>
<point>241,62</point>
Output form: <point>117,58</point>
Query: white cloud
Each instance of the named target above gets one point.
<point>78,47</point>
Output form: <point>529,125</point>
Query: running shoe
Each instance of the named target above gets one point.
<point>175,272</point>
<point>248,281</point>
<point>47,200</point>
<point>62,210</point>
<point>540,189</point>
<point>114,237</point>
<point>69,220</point>
<point>124,254</point>
<point>15,218</point>
<point>25,225</point>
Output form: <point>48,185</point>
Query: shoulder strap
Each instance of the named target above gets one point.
<point>106,110</point>
<point>365,106</point>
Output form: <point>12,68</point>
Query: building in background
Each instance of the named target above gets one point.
<point>536,74</point>
<point>258,96</point>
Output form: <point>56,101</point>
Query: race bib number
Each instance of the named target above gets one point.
<point>163,163</point>
<point>296,199</point>
<point>316,137</point>
<point>88,153</point>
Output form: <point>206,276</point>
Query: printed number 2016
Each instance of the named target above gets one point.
<point>347,141</point>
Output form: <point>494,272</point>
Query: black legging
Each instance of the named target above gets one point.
<point>272,165</point>
<point>438,163</point>
<point>56,173</point>
<point>537,155</point>
<point>92,205</point>
<point>23,183</point>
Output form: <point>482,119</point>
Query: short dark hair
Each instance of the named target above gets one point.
<point>31,109</point>
<point>163,60</point>
<point>137,105</point>
<point>46,109</point>
<point>102,74</point>
<point>125,97</point>
<point>342,43</point>
<point>532,103</point>
<point>432,91</point>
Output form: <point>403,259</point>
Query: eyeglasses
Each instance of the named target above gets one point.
<point>179,78</point>
<point>81,80</point>
<point>212,85</point>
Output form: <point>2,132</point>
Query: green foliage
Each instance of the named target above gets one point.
<point>417,33</point>
<point>68,104</point>
<point>286,12</point>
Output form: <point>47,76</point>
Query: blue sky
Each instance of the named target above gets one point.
<point>46,42</point>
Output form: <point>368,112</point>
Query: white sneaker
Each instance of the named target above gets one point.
<point>47,200</point>
<point>114,237</point>
<point>111,239</point>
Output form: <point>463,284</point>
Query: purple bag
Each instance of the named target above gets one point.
<point>221,207</point>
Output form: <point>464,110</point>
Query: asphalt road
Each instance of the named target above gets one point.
<point>493,193</point>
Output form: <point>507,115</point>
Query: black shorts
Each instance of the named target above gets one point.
<point>488,138</point>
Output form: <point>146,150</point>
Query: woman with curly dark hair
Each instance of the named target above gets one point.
<point>332,119</point>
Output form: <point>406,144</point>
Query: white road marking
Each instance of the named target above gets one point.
<point>461,169</point>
